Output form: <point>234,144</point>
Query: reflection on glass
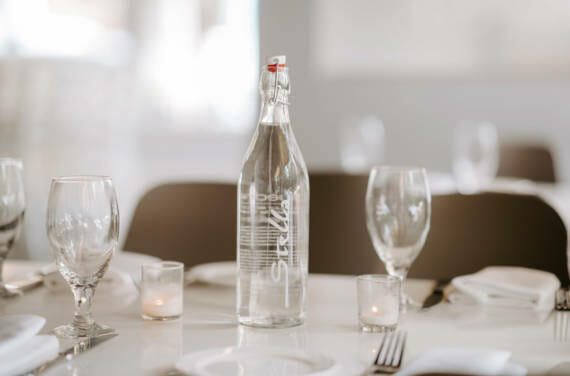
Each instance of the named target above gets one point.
<point>475,156</point>
<point>77,365</point>
<point>398,208</point>
<point>367,347</point>
<point>12,204</point>
<point>289,337</point>
<point>161,344</point>
<point>83,228</point>
<point>287,345</point>
<point>560,326</point>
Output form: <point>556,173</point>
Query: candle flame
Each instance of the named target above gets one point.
<point>159,302</point>
<point>375,309</point>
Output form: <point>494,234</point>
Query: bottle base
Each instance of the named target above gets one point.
<point>272,322</point>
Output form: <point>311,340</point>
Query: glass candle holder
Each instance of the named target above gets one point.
<point>378,302</point>
<point>162,290</point>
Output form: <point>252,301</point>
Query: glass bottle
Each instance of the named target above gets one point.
<point>273,214</point>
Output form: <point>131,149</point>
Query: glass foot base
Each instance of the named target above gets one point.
<point>160,318</point>
<point>72,332</point>
<point>270,322</point>
<point>414,304</point>
<point>374,328</point>
<point>9,293</point>
<point>409,305</point>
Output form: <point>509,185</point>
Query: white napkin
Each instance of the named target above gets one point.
<point>21,349</point>
<point>17,329</point>
<point>471,361</point>
<point>508,286</point>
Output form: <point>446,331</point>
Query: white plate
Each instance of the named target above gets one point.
<point>215,273</point>
<point>253,361</point>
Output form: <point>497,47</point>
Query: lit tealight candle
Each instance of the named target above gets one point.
<point>381,317</point>
<point>162,305</point>
<point>162,291</point>
<point>378,302</point>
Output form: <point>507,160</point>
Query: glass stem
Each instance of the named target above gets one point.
<point>4,292</point>
<point>401,272</point>
<point>82,319</point>
<point>2,258</point>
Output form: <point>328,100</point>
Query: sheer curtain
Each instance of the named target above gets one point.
<point>143,90</point>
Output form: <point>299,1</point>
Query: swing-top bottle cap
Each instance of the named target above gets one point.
<point>274,82</point>
<point>272,60</point>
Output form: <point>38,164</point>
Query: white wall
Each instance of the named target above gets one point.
<point>145,96</point>
<point>420,112</point>
<point>58,136</point>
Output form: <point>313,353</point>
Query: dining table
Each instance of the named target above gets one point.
<point>537,340</point>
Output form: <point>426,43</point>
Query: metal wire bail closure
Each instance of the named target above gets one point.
<point>277,88</point>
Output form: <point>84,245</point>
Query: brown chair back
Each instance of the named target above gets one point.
<point>189,222</point>
<point>470,232</point>
<point>196,223</point>
<point>338,239</point>
<point>532,162</point>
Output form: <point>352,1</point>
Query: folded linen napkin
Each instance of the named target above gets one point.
<point>469,361</point>
<point>508,286</point>
<point>17,329</point>
<point>21,349</point>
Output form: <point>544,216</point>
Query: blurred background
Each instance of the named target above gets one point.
<point>149,91</point>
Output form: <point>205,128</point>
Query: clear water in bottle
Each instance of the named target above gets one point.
<point>273,214</point>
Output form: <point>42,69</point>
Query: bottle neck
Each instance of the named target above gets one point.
<point>274,88</point>
<point>273,114</point>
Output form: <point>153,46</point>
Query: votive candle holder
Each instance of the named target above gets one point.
<point>378,298</point>
<point>162,290</point>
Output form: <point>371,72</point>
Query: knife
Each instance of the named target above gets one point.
<point>437,294</point>
<point>78,348</point>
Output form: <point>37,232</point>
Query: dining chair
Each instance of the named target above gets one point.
<point>532,162</point>
<point>469,232</point>
<point>189,222</point>
<point>338,239</point>
<point>196,223</point>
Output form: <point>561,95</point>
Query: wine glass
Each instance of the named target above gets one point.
<point>475,156</point>
<point>83,229</point>
<point>12,205</point>
<point>361,142</point>
<point>398,208</point>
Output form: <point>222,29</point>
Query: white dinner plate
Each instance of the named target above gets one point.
<point>254,361</point>
<point>214,273</point>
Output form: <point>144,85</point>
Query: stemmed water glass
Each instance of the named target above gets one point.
<point>83,229</point>
<point>398,208</point>
<point>12,205</point>
<point>475,156</point>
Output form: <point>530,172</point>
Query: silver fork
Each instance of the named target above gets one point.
<point>390,354</point>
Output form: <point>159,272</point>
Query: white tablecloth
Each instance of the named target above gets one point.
<point>151,348</point>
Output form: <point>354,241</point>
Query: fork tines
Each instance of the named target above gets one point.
<point>390,352</point>
<point>562,301</point>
